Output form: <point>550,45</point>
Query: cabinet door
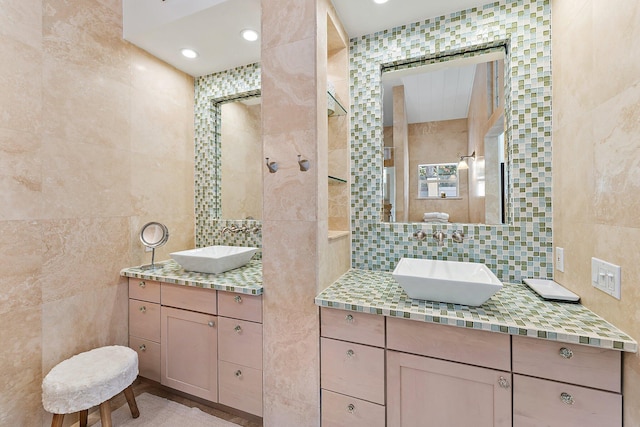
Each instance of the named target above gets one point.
<point>425,392</point>
<point>241,387</point>
<point>538,402</point>
<point>189,352</point>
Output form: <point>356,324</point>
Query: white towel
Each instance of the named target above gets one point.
<point>436,215</point>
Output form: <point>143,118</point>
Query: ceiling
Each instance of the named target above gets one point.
<point>212,27</point>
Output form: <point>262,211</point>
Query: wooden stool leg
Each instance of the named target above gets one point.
<point>57,420</point>
<point>83,416</point>
<point>131,400</point>
<point>105,414</point>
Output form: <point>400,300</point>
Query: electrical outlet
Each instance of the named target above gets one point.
<point>560,259</point>
<point>606,277</point>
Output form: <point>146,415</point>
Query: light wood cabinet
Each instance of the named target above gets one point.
<point>144,326</point>
<point>189,349</point>
<point>386,371</point>
<point>200,341</point>
<point>555,384</point>
<point>426,392</point>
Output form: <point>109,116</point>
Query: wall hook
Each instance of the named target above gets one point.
<point>272,166</point>
<point>304,163</point>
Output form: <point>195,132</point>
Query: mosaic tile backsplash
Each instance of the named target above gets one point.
<point>210,92</point>
<point>522,249</point>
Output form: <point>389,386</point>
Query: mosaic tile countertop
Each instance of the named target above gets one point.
<point>243,280</point>
<point>514,310</point>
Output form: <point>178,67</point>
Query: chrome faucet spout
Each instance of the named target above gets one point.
<point>439,237</point>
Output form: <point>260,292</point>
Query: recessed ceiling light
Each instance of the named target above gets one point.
<point>249,35</point>
<point>189,53</point>
<point>380,1</point>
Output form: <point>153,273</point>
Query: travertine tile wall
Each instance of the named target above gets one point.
<point>596,160</point>
<point>96,138</point>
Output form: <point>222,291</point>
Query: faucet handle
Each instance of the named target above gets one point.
<point>457,236</point>
<point>420,235</point>
<point>439,237</point>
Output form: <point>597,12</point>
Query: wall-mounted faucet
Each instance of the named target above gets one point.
<point>439,237</point>
<point>420,235</point>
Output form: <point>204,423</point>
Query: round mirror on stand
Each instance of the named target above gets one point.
<point>153,235</point>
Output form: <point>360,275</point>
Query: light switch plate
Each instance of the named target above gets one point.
<point>606,277</point>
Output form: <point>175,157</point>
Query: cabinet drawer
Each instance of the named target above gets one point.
<point>240,387</point>
<point>240,306</point>
<point>189,298</point>
<point>240,342</point>
<point>144,290</point>
<point>144,320</point>
<point>352,326</point>
<point>339,410</point>
<point>148,357</point>
<point>572,363</point>
<point>481,348</point>
<point>353,369</point>
<point>539,402</point>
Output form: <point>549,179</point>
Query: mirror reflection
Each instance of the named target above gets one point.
<point>242,160</point>
<point>444,145</point>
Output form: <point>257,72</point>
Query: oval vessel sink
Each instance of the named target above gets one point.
<point>466,283</point>
<point>214,259</point>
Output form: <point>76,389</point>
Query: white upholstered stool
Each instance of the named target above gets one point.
<point>89,379</point>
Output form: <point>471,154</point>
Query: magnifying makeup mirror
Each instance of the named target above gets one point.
<point>153,235</point>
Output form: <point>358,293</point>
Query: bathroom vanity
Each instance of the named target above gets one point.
<point>517,360</point>
<point>200,333</point>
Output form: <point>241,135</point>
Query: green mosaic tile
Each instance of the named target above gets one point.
<point>243,280</point>
<point>514,310</point>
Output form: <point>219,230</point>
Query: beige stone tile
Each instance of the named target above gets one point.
<point>84,180</point>
<point>87,35</point>
<point>616,65</point>
<point>20,176</point>
<point>93,318</point>
<point>161,186</point>
<point>21,373</point>
<point>616,125</point>
<point>82,255</point>
<point>20,84</point>
<point>572,54</point>
<point>289,88</point>
<point>286,21</point>
<point>85,105</point>
<point>290,194</point>
<point>159,81</point>
<point>22,253</point>
<point>161,127</point>
<point>22,20</point>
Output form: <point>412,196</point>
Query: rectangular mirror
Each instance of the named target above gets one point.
<point>241,159</point>
<point>447,116</point>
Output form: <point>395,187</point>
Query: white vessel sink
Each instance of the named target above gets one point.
<point>466,283</point>
<point>214,259</point>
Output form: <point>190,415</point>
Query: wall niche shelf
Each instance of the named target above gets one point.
<point>336,180</point>
<point>334,106</point>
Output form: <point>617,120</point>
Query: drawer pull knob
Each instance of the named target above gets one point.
<point>351,408</point>
<point>567,399</point>
<point>238,373</point>
<point>566,353</point>
<point>142,285</point>
<point>143,309</point>
<point>142,347</point>
<point>349,318</point>
<point>211,323</point>
<point>503,382</point>
<point>350,353</point>
<point>238,329</point>
<point>238,299</point>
